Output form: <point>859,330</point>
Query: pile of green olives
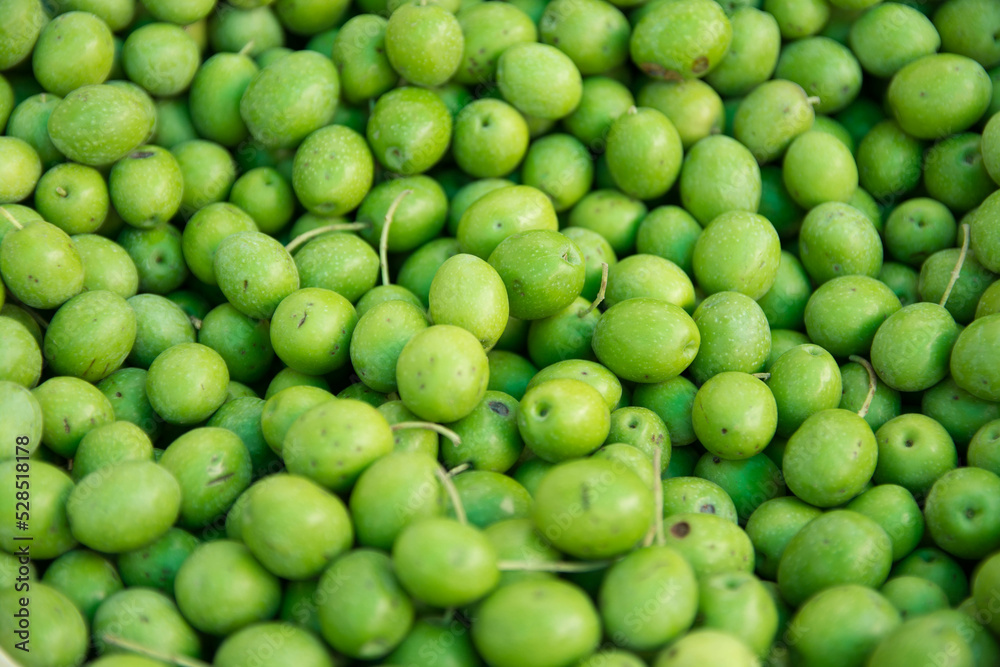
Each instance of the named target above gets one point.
<point>500,333</point>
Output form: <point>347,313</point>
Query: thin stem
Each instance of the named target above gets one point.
<point>42,322</point>
<point>11,218</point>
<point>550,566</point>
<point>174,659</point>
<point>61,191</point>
<point>872,383</point>
<point>195,322</point>
<point>658,497</point>
<point>600,293</point>
<point>647,539</point>
<point>383,242</point>
<point>958,266</point>
<point>813,100</point>
<point>459,469</point>
<point>430,426</point>
<point>632,110</point>
<point>247,48</point>
<point>313,233</point>
<point>456,500</point>
<point>762,376</point>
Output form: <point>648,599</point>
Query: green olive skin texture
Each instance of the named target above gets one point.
<point>482,333</point>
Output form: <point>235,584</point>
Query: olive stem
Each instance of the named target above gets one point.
<point>456,500</point>
<point>246,48</point>
<point>42,322</point>
<point>872,383</point>
<point>195,322</point>
<point>383,242</point>
<point>813,100</point>
<point>958,266</point>
<point>459,469</point>
<point>181,660</point>
<point>11,218</point>
<point>61,191</point>
<point>550,566</point>
<point>762,376</point>
<point>658,497</point>
<point>313,233</point>
<point>430,426</point>
<point>600,293</point>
